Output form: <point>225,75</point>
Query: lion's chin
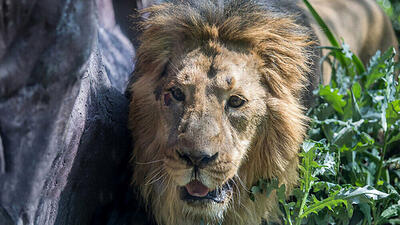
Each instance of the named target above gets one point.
<point>196,194</point>
<point>209,206</point>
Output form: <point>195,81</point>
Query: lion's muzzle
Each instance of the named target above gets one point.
<point>195,192</point>
<point>197,159</point>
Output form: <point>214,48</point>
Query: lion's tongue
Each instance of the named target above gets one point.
<point>196,188</point>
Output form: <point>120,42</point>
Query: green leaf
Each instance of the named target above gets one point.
<point>308,145</point>
<point>377,67</point>
<point>281,193</point>
<point>333,98</point>
<point>356,109</point>
<point>356,88</point>
<point>272,185</point>
<point>353,196</point>
<point>394,139</point>
<point>308,164</point>
<point>394,221</point>
<point>262,186</point>
<point>383,116</point>
<point>362,194</point>
<point>393,112</point>
<point>345,135</point>
<point>328,164</point>
<point>323,25</point>
<point>319,205</point>
<point>349,108</point>
<point>359,65</point>
<point>373,77</point>
<point>366,210</point>
<point>255,190</point>
<point>354,61</point>
<point>327,186</point>
<point>393,160</point>
<point>392,211</point>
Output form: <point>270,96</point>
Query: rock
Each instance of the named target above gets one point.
<point>64,144</point>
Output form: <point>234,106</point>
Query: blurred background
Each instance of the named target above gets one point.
<point>392,9</point>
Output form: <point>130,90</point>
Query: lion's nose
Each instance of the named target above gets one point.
<point>197,159</point>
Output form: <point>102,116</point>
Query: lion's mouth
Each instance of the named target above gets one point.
<point>195,191</point>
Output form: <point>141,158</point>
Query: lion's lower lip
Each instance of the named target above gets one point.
<point>218,195</point>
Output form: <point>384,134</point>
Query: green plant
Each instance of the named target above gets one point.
<point>349,170</point>
<point>392,9</point>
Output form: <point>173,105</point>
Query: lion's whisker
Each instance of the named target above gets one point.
<point>233,194</point>
<point>159,177</point>
<point>242,184</point>
<point>234,164</point>
<point>153,174</point>
<point>166,185</point>
<point>151,162</point>
<point>155,177</point>
<point>239,202</point>
<point>237,190</point>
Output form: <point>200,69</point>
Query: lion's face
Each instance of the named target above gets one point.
<point>211,106</point>
<point>215,107</point>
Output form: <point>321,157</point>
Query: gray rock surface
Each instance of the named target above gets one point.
<point>64,145</point>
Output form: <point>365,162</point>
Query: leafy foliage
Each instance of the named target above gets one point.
<point>392,9</point>
<point>349,165</point>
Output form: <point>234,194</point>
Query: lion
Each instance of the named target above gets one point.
<point>218,100</point>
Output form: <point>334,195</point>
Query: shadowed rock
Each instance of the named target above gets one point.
<point>64,145</point>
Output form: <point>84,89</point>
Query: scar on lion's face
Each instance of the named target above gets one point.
<point>214,108</point>
<point>214,103</point>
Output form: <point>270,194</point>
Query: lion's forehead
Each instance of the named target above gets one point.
<point>222,71</point>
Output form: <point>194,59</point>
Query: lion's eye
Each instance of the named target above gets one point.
<point>236,101</point>
<point>177,94</point>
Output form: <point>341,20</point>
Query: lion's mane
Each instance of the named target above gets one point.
<point>283,47</point>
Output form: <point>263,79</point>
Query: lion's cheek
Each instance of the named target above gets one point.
<point>213,179</point>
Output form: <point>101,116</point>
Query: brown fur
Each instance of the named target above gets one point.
<point>212,52</point>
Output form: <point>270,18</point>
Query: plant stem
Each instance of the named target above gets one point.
<point>303,203</point>
<point>287,211</point>
<point>338,165</point>
<point>380,166</point>
<point>374,213</point>
<point>365,221</point>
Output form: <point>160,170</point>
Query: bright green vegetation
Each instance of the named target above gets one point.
<point>350,164</point>
<point>392,9</point>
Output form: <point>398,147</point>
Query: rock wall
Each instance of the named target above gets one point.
<point>64,145</point>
